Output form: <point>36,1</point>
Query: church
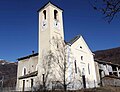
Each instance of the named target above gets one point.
<point>58,64</point>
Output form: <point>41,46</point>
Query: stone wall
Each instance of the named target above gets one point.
<point>111,81</point>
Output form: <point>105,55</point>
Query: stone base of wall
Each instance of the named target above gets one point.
<point>111,81</point>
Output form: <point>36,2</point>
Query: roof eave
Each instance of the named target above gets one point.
<point>48,3</point>
<point>25,57</point>
<point>73,40</point>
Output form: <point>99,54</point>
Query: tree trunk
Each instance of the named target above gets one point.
<point>65,86</point>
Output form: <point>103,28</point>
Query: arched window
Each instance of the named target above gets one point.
<point>24,71</point>
<point>57,46</point>
<point>81,57</point>
<point>44,14</point>
<point>55,14</point>
<point>75,66</point>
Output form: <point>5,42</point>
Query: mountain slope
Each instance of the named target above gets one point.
<point>109,55</point>
<point>8,73</point>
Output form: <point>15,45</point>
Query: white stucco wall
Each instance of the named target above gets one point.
<point>30,65</point>
<point>87,55</point>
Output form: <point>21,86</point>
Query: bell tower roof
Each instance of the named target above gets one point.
<point>49,3</point>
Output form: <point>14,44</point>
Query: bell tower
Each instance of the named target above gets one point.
<point>50,25</point>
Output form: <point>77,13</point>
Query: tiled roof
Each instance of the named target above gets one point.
<point>74,40</point>
<point>105,62</point>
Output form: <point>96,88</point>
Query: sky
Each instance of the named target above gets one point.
<point>19,26</point>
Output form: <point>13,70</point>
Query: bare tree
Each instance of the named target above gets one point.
<point>45,78</point>
<point>109,8</point>
<point>57,68</point>
<point>63,66</point>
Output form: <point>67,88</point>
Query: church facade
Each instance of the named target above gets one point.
<point>58,64</point>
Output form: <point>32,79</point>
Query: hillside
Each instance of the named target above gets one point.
<point>8,73</point>
<point>110,55</point>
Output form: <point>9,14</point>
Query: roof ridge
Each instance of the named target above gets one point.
<point>74,39</point>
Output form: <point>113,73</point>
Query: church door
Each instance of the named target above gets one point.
<point>84,81</point>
